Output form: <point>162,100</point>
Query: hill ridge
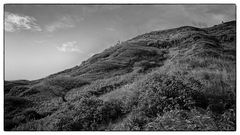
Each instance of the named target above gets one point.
<point>150,41</point>
<point>162,80</point>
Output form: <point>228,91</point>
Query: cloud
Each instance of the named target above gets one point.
<point>15,22</point>
<point>69,47</point>
<point>63,23</point>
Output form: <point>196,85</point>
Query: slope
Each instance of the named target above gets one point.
<point>146,83</point>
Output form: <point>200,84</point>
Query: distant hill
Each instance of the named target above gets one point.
<point>177,79</point>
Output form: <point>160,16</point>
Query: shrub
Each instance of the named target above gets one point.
<point>112,110</point>
<point>62,84</point>
<point>12,104</point>
<point>183,120</point>
<point>91,114</point>
<point>161,92</point>
<point>103,86</point>
<point>22,117</point>
<point>227,121</point>
<point>8,85</point>
<point>31,114</point>
<point>67,83</point>
<point>135,121</point>
<point>13,107</point>
<point>9,124</point>
<point>37,125</point>
<point>86,116</point>
<point>127,95</point>
<point>16,90</point>
<point>35,89</point>
<point>66,124</point>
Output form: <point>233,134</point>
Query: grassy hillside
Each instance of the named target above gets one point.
<point>177,79</point>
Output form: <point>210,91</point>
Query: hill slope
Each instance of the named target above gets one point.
<point>177,79</point>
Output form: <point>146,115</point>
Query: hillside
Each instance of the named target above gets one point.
<point>177,79</point>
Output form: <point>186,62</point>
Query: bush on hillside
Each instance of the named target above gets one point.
<point>67,83</point>
<point>16,90</point>
<point>12,103</point>
<point>8,85</point>
<point>59,86</point>
<point>103,86</point>
<point>161,92</point>
<point>13,106</point>
<point>135,121</point>
<point>227,121</point>
<point>91,114</point>
<point>182,120</point>
<point>23,117</point>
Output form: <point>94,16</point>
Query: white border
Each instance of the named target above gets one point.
<point>122,1</point>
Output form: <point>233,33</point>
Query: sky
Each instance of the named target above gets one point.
<point>44,39</point>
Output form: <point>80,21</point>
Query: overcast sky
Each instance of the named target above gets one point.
<point>45,39</point>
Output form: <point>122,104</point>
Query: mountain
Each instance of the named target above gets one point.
<point>177,79</point>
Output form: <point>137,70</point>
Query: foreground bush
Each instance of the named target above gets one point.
<point>227,121</point>
<point>183,120</point>
<point>14,106</point>
<point>134,121</point>
<point>91,114</point>
<point>162,92</point>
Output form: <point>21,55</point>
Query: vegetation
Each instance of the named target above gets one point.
<point>177,79</point>
<point>60,85</point>
<point>13,107</point>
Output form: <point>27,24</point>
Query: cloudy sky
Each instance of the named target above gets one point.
<point>44,39</point>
